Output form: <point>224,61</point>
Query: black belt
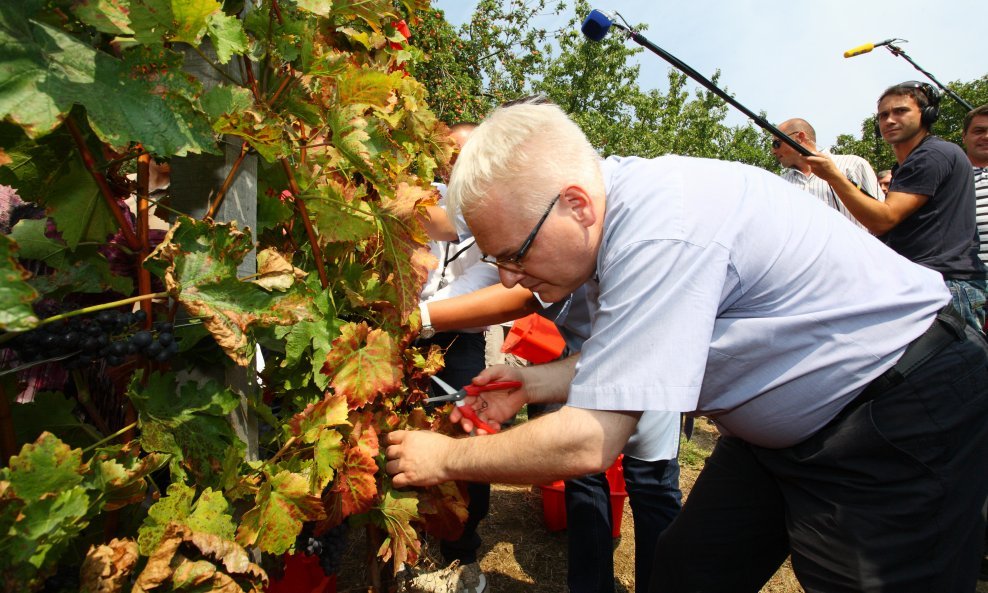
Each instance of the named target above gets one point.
<point>948,327</point>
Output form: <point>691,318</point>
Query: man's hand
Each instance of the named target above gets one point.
<point>417,458</point>
<point>824,168</point>
<point>493,407</point>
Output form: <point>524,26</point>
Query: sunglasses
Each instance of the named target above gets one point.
<point>776,143</point>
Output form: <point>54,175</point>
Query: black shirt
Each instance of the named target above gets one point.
<point>942,234</point>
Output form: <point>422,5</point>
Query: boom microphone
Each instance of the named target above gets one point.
<point>595,28</point>
<point>596,25</point>
<point>863,49</point>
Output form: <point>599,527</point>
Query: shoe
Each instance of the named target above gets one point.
<point>455,578</point>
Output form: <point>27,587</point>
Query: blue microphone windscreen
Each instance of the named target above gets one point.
<point>595,26</point>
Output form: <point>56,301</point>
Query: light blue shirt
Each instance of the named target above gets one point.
<point>656,436</point>
<point>726,291</point>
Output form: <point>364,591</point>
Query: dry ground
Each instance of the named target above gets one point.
<point>520,555</point>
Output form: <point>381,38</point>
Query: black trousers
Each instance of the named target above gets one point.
<point>464,356</point>
<point>886,498</point>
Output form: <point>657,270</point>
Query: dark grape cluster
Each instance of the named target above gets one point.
<point>109,335</point>
<point>329,546</point>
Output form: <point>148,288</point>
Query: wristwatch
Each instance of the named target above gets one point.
<point>427,330</point>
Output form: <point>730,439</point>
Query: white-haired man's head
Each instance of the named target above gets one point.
<point>525,151</point>
<point>530,187</point>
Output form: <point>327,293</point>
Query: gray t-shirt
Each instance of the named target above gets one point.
<point>725,290</point>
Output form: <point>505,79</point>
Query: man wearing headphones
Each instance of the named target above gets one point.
<point>928,214</point>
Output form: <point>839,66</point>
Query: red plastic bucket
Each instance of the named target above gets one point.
<point>554,500</point>
<point>534,338</point>
<point>303,575</point>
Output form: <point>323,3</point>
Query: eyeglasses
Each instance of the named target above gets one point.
<point>776,143</point>
<point>513,263</point>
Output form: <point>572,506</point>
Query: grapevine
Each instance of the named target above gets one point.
<point>141,430</point>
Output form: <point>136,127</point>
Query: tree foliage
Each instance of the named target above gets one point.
<point>505,53</point>
<point>93,91</point>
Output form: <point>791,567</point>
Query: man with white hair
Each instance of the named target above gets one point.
<point>852,399</point>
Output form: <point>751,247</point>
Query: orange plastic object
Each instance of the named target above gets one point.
<point>303,575</point>
<point>554,501</point>
<point>535,339</point>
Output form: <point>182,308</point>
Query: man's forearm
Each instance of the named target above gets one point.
<point>569,442</point>
<point>488,306</point>
<point>875,215</point>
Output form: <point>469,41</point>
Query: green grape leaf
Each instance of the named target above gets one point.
<point>366,87</point>
<point>210,513</point>
<point>227,35</point>
<point>159,21</point>
<point>406,263</point>
<point>189,421</point>
<point>339,214</point>
<point>328,455</point>
<point>363,363</point>
<point>397,511</point>
<point>79,211</point>
<point>320,7</point>
<point>106,16</point>
<point>16,295</point>
<point>120,473</point>
<point>86,276</point>
<point>33,244</point>
<point>46,71</point>
<point>198,262</point>
<point>47,466</point>
<point>34,165</point>
<point>224,99</point>
<point>308,424</point>
<point>283,503</point>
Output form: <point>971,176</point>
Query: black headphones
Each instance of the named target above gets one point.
<point>931,112</point>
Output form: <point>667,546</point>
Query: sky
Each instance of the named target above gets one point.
<point>785,57</point>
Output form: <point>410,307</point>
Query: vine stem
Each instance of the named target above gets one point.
<point>143,231</point>
<point>82,395</point>
<point>93,309</point>
<point>288,79</point>
<point>104,188</point>
<point>283,449</point>
<point>304,214</point>
<point>110,437</point>
<point>8,443</point>
<point>234,168</point>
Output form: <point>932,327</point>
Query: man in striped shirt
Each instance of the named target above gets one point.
<point>797,170</point>
<point>976,142</point>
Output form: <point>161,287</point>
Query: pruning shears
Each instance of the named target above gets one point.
<point>457,395</point>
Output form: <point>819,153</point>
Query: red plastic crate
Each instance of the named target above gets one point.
<point>554,500</point>
<point>303,575</point>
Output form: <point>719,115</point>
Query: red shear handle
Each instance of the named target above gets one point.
<point>476,390</point>
<point>472,416</point>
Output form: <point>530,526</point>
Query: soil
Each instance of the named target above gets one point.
<point>520,555</point>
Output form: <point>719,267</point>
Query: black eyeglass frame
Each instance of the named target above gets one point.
<point>513,263</point>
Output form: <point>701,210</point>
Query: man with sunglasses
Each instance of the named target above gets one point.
<point>928,215</point>
<point>799,173</point>
<point>851,399</point>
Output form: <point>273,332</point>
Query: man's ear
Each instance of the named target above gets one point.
<point>582,207</point>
